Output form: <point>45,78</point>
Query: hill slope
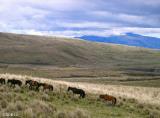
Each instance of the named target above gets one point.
<point>128,39</point>
<point>40,50</point>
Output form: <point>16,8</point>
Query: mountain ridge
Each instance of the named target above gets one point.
<point>129,39</point>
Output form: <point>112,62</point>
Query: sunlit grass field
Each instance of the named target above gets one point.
<point>62,104</point>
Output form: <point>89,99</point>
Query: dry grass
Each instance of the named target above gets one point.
<point>30,104</point>
<point>149,95</point>
<point>60,104</point>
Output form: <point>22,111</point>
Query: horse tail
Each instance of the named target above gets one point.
<point>83,95</point>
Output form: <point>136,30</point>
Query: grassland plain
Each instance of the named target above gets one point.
<point>91,75</point>
<point>133,102</point>
<point>129,73</point>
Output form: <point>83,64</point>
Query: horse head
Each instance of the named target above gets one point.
<point>9,81</point>
<point>101,96</point>
<point>69,88</point>
<point>28,82</point>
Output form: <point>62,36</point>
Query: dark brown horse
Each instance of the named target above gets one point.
<point>33,84</point>
<point>108,98</point>
<point>46,86</point>
<point>28,82</point>
<point>14,82</point>
<point>77,91</point>
<point>2,81</point>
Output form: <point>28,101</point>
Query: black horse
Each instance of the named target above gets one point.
<point>2,81</point>
<point>28,82</point>
<point>33,84</point>
<point>14,82</point>
<point>77,91</point>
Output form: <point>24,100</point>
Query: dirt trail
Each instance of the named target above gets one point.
<point>149,95</point>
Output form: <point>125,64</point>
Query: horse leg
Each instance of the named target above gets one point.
<point>113,102</point>
<point>30,87</point>
<point>37,88</point>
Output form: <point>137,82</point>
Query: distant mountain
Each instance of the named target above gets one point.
<point>130,39</point>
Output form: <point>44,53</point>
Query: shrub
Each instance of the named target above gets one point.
<point>11,107</point>
<point>140,105</point>
<point>28,113</point>
<point>45,97</point>
<point>62,115</point>
<point>3,104</point>
<point>79,113</point>
<point>19,106</point>
<point>40,107</point>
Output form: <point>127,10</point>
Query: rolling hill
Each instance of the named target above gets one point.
<point>127,39</point>
<point>63,52</point>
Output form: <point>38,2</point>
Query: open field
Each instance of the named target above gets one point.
<point>99,76</point>
<point>149,95</point>
<point>131,74</point>
<point>78,60</point>
<point>60,104</point>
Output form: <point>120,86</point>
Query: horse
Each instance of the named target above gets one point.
<point>14,82</point>
<point>28,82</point>
<point>47,86</point>
<point>77,91</point>
<point>2,81</point>
<point>108,98</point>
<point>33,84</point>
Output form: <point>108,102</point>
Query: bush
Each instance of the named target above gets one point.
<point>79,113</point>
<point>28,113</point>
<point>45,97</point>
<point>3,104</point>
<point>20,106</point>
<point>62,115</point>
<point>42,108</point>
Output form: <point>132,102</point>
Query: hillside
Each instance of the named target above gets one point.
<point>64,52</point>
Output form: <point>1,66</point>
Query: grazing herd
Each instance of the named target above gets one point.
<point>34,85</point>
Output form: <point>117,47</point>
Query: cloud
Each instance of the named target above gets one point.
<point>80,17</point>
<point>105,33</point>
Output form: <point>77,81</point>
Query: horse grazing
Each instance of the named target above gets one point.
<point>14,82</point>
<point>33,84</point>
<point>47,86</point>
<point>108,98</point>
<point>28,82</point>
<point>2,81</point>
<point>77,91</point>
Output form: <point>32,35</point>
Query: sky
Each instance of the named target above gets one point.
<point>74,18</point>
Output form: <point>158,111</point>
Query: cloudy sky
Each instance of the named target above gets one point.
<point>80,17</point>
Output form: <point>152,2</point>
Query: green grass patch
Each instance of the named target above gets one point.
<point>27,104</point>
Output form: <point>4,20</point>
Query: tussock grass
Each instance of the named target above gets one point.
<point>149,95</point>
<point>61,104</point>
